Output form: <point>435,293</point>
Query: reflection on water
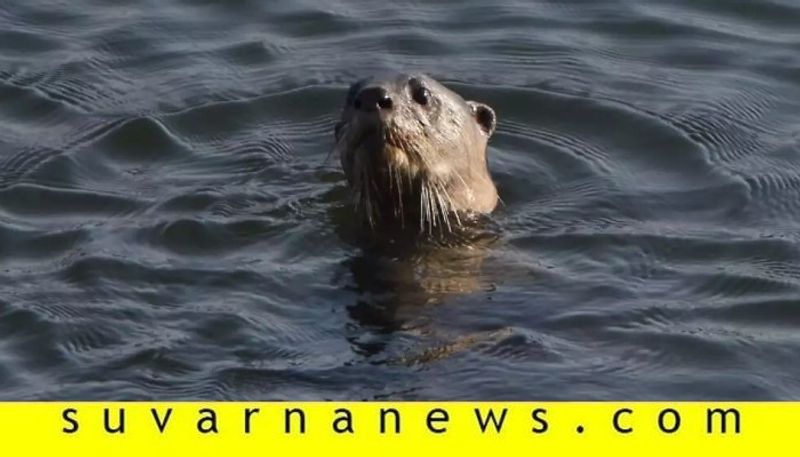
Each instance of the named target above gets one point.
<point>395,282</point>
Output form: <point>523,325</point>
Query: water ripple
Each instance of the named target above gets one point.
<point>170,227</point>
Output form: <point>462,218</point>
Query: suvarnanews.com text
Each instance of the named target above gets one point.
<point>389,420</point>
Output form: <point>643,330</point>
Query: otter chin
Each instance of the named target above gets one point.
<point>414,154</point>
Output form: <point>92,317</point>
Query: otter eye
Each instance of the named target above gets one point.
<point>421,95</point>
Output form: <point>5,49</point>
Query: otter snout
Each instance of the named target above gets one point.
<point>373,99</point>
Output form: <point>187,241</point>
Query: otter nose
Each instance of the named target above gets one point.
<point>372,99</point>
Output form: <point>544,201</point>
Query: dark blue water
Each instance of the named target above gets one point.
<point>169,228</point>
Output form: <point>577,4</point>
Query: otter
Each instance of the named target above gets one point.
<point>414,153</point>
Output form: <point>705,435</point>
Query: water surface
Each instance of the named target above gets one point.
<point>170,229</point>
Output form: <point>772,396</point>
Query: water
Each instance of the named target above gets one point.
<point>169,228</point>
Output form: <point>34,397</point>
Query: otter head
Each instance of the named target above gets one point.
<point>414,153</point>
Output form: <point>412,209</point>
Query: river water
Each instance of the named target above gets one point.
<point>170,227</point>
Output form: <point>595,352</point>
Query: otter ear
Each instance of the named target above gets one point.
<point>485,116</point>
<point>337,129</point>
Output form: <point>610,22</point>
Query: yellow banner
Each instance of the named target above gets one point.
<point>398,428</point>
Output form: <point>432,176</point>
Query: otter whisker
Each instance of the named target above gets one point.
<point>434,206</point>
<point>430,206</point>
<point>460,178</point>
<point>443,207</point>
<point>450,205</point>
<point>422,209</point>
<point>366,197</point>
<point>399,183</point>
<point>430,210</point>
<point>375,214</point>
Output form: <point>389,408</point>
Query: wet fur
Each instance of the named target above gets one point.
<point>415,166</point>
